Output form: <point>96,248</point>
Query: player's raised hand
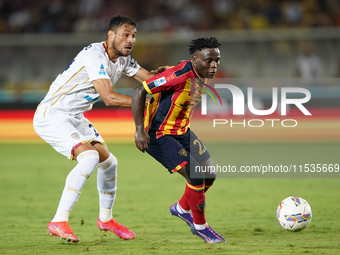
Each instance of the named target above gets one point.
<point>159,70</point>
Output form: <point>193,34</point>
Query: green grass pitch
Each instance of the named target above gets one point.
<point>240,209</point>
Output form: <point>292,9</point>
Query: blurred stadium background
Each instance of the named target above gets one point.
<point>263,41</point>
<point>260,39</point>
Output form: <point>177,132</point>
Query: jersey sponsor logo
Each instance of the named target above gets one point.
<point>102,70</point>
<point>160,81</point>
<point>75,136</point>
<point>172,76</point>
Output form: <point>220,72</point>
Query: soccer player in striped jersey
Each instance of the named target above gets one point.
<point>165,132</point>
<point>60,122</point>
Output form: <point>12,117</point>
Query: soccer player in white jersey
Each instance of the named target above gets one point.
<point>60,122</point>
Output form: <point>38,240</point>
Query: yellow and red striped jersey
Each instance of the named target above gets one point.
<point>175,93</point>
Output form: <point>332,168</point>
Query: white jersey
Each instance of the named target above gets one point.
<point>72,91</point>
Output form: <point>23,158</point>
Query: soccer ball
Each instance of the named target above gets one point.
<point>294,214</point>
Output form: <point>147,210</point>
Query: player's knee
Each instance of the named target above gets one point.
<point>89,156</point>
<point>196,181</point>
<point>210,175</point>
<point>196,177</point>
<point>209,168</point>
<point>110,163</point>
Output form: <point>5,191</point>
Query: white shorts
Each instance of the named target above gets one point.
<point>65,132</point>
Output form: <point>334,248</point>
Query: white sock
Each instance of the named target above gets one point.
<point>105,215</point>
<point>107,186</point>
<point>75,181</point>
<point>61,215</point>
<point>200,227</point>
<point>180,209</point>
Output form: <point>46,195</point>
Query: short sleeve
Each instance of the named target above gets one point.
<point>96,63</point>
<point>166,80</point>
<point>131,66</point>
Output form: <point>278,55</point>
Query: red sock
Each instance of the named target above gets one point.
<point>183,202</point>
<point>196,199</point>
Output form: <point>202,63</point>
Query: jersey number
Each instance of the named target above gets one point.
<point>95,131</point>
<point>201,148</point>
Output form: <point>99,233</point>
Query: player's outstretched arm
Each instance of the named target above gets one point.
<point>142,75</point>
<point>111,98</point>
<point>137,106</point>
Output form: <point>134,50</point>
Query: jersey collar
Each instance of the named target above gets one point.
<point>105,47</point>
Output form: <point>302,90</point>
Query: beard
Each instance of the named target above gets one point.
<point>117,51</point>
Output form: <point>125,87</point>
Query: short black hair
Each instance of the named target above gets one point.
<point>120,20</point>
<point>203,43</point>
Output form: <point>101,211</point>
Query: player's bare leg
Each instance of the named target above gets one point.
<point>209,177</point>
